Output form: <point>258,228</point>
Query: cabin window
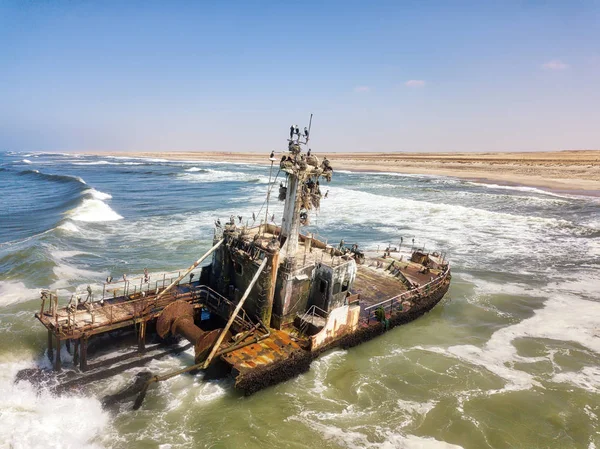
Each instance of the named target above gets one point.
<point>238,268</point>
<point>323,286</point>
<point>345,285</point>
<point>336,288</point>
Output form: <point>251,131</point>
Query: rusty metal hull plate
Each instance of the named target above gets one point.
<point>278,346</point>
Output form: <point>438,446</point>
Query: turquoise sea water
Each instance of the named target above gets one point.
<point>509,359</point>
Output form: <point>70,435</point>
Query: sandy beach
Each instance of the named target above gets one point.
<point>556,170</point>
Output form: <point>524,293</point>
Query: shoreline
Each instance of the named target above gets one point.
<point>567,172</point>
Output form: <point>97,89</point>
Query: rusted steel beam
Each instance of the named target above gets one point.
<point>57,366</point>
<point>185,273</point>
<point>142,337</point>
<point>76,353</point>
<point>138,402</point>
<point>234,314</point>
<point>83,349</point>
<point>268,308</point>
<point>50,352</point>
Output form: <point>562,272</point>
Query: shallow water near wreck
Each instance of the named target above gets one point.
<point>510,358</point>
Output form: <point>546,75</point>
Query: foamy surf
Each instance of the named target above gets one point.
<point>354,437</point>
<point>26,161</point>
<point>12,292</point>
<point>68,226</point>
<point>97,194</point>
<point>93,210</point>
<point>210,175</point>
<point>520,189</point>
<point>38,419</point>
<point>95,163</point>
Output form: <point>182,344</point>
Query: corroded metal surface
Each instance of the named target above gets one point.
<point>377,283</point>
<point>278,346</point>
<point>169,314</point>
<point>114,314</point>
<point>178,319</point>
<point>206,342</point>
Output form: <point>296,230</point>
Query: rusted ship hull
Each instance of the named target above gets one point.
<point>299,361</point>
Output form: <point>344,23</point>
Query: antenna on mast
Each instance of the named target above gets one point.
<point>309,125</point>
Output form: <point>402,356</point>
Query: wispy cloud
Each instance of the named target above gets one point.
<point>415,83</point>
<point>362,89</point>
<point>555,64</point>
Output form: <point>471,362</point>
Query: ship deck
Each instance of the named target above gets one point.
<point>115,313</point>
<point>306,254</point>
<point>275,348</point>
<point>375,285</point>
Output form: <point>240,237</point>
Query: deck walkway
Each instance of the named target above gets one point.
<point>115,313</point>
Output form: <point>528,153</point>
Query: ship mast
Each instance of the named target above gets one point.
<point>303,192</point>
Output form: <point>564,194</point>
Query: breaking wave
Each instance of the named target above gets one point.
<point>12,292</point>
<point>53,177</point>
<point>91,206</point>
<point>210,175</point>
<point>196,169</point>
<point>93,210</point>
<point>38,419</point>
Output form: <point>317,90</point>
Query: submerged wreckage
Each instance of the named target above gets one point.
<point>271,299</point>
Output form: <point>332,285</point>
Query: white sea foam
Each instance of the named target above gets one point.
<point>65,272</point>
<point>588,378</point>
<point>494,235</point>
<point>69,226</point>
<point>95,163</point>
<point>419,408</point>
<point>564,317</point>
<point>210,175</point>
<point>93,210</point>
<point>34,419</point>
<point>97,194</point>
<point>521,189</point>
<point>145,159</point>
<point>353,437</point>
<point>27,161</point>
<point>194,169</point>
<point>321,366</point>
<point>12,292</point>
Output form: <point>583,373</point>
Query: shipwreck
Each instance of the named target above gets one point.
<point>259,306</point>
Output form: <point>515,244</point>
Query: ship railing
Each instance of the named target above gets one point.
<point>219,303</point>
<point>309,317</point>
<point>139,284</point>
<point>390,304</point>
<point>137,308</point>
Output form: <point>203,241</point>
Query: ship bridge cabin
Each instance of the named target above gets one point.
<point>307,283</point>
<point>307,275</point>
<point>303,272</point>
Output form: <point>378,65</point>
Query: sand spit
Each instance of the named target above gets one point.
<point>556,170</point>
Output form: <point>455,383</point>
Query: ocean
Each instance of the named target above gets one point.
<point>509,359</point>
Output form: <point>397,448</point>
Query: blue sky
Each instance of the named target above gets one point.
<point>378,76</point>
